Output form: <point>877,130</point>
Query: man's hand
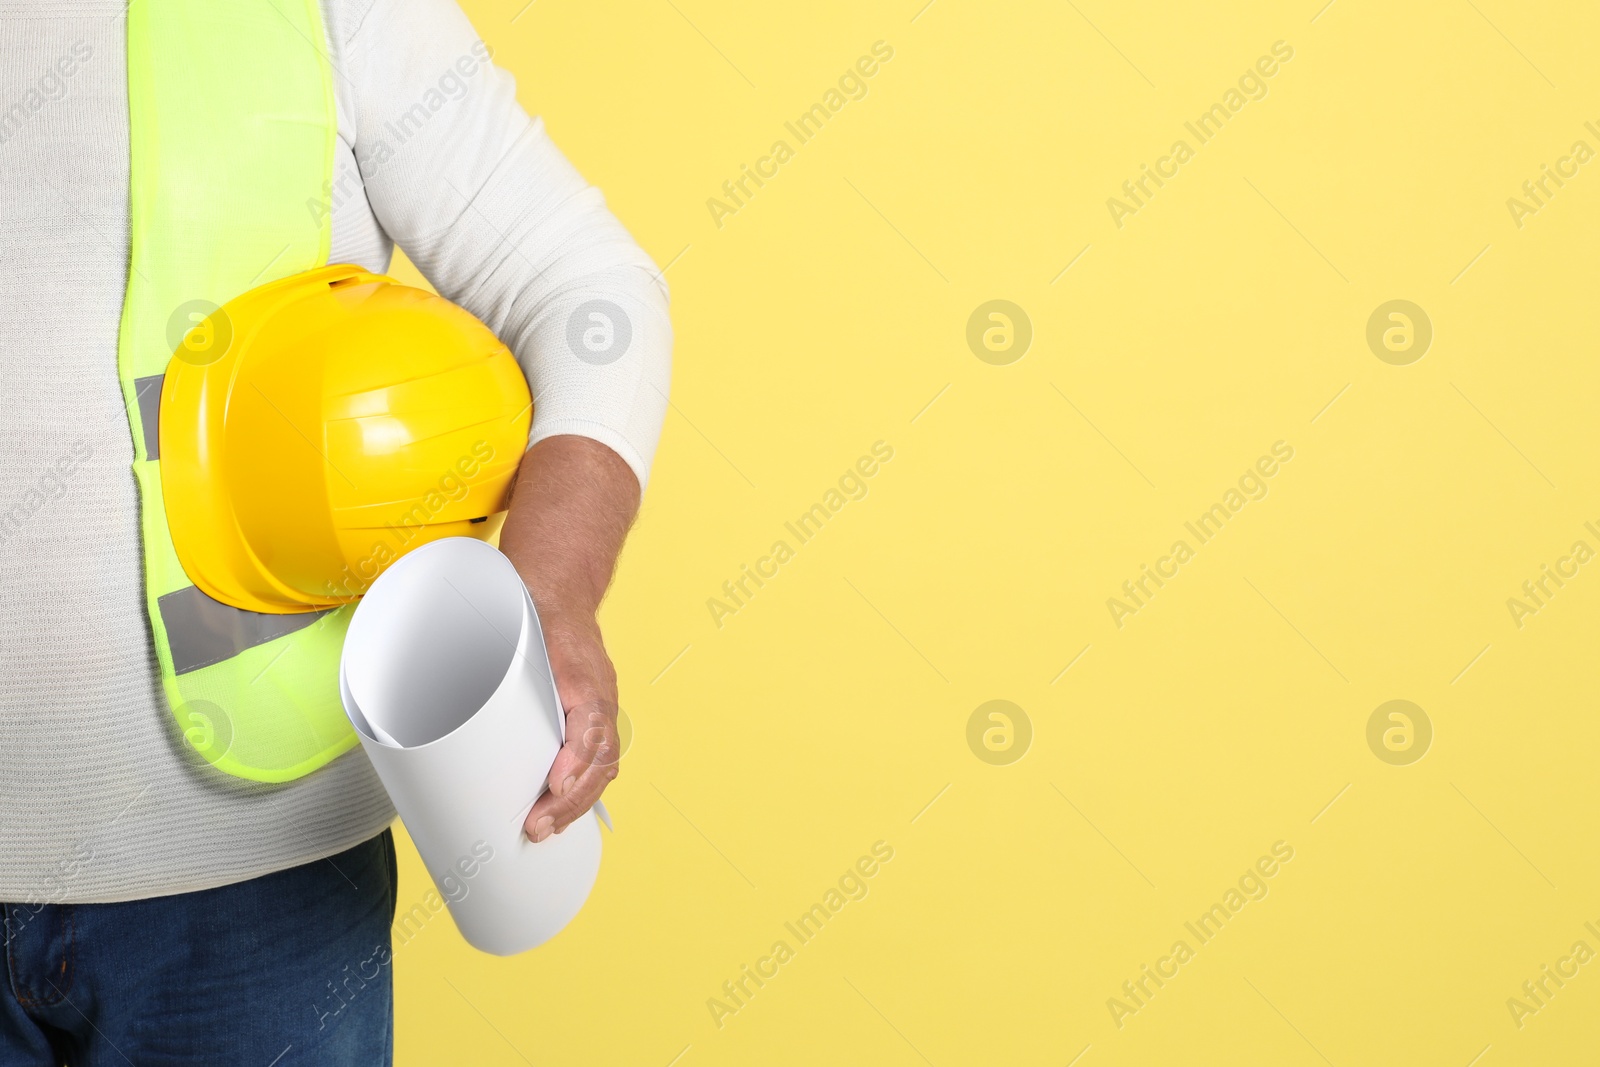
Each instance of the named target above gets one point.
<point>587,762</point>
<point>570,511</point>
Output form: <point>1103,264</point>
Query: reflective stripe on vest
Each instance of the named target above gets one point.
<point>231,138</point>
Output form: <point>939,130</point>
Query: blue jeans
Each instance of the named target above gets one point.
<point>288,970</point>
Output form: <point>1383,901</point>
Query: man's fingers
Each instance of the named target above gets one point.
<point>582,769</point>
<point>592,732</point>
<point>591,740</point>
<point>553,814</point>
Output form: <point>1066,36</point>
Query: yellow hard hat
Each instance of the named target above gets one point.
<point>316,428</point>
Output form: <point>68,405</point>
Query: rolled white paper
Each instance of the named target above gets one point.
<point>445,677</point>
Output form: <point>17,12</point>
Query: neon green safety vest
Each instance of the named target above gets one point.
<point>231,141</point>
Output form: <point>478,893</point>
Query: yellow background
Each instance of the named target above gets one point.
<point>1228,713</point>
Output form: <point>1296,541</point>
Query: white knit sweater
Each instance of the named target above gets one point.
<point>99,797</point>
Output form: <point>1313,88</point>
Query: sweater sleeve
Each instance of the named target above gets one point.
<point>481,200</point>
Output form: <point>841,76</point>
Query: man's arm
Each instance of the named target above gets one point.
<point>570,511</point>
<point>501,223</point>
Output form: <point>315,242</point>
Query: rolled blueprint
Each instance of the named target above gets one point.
<point>445,677</point>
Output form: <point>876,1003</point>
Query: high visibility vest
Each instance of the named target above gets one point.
<point>231,148</point>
